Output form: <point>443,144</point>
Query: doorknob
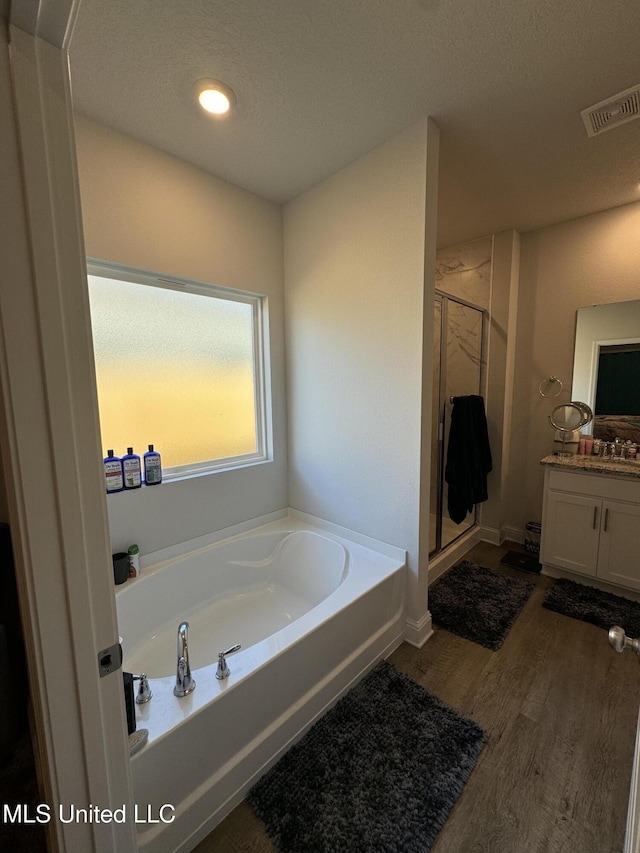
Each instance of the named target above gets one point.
<point>619,640</point>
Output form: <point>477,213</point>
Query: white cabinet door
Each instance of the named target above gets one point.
<point>571,529</point>
<point>619,553</point>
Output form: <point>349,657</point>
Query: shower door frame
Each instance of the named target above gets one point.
<point>443,299</point>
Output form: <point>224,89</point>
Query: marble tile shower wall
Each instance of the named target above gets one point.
<point>463,272</point>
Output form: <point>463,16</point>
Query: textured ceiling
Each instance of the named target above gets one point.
<point>320,82</point>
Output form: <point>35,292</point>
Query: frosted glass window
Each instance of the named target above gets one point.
<point>177,367</point>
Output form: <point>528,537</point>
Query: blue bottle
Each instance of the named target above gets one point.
<point>113,475</point>
<point>152,467</point>
<point>131,470</point>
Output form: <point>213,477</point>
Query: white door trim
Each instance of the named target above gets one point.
<point>49,435</point>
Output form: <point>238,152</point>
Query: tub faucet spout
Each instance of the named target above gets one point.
<point>185,683</point>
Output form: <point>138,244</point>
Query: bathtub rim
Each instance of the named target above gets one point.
<point>154,559</point>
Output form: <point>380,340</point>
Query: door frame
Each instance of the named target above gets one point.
<point>50,439</point>
<point>632,835</point>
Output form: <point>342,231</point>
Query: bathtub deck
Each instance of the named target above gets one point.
<point>556,770</point>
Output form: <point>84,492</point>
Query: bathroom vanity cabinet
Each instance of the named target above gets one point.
<point>591,524</point>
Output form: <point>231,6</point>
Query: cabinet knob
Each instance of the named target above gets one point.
<point>619,641</point>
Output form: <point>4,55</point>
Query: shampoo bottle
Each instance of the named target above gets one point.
<point>113,476</point>
<point>152,467</point>
<point>131,468</point>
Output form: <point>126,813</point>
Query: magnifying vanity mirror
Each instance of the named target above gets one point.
<point>569,417</point>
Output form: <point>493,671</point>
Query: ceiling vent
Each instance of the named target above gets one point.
<point>619,109</point>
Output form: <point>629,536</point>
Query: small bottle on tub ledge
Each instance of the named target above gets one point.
<point>152,467</point>
<point>131,468</point>
<point>134,561</point>
<point>113,475</point>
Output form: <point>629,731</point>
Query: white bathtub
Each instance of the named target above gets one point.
<point>313,607</point>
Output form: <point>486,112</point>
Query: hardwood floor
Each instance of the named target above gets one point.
<point>560,709</point>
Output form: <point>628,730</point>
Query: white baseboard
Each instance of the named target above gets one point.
<point>417,633</point>
<point>490,534</point>
<point>513,534</point>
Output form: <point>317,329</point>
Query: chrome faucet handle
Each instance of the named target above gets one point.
<point>185,683</point>
<point>619,641</point>
<point>223,670</point>
<point>144,691</point>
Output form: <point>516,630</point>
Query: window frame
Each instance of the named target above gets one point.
<point>261,361</point>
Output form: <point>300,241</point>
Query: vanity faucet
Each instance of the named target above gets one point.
<point>185,683</point>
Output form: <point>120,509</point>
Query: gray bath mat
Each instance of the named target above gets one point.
<point>379,773</point>
<point>478,604</point>
<point>593,605</point>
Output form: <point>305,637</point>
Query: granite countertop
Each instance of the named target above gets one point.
<point>629,468</point>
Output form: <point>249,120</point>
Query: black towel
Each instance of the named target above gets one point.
<point>468,457</point>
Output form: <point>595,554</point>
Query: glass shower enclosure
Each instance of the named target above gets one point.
<point>458,369</point>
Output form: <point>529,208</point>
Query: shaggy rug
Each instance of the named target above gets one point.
<point>593,605</point>
<point>478,604</point>
<point>378,773</point>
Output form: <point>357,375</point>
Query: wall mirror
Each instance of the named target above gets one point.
<point>606,367</point>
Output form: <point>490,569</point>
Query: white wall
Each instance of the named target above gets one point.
<point>591,260</point>
<point>146,209</point>
<point>354,297</point>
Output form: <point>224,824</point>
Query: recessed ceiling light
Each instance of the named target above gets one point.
<point>214,97</point>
